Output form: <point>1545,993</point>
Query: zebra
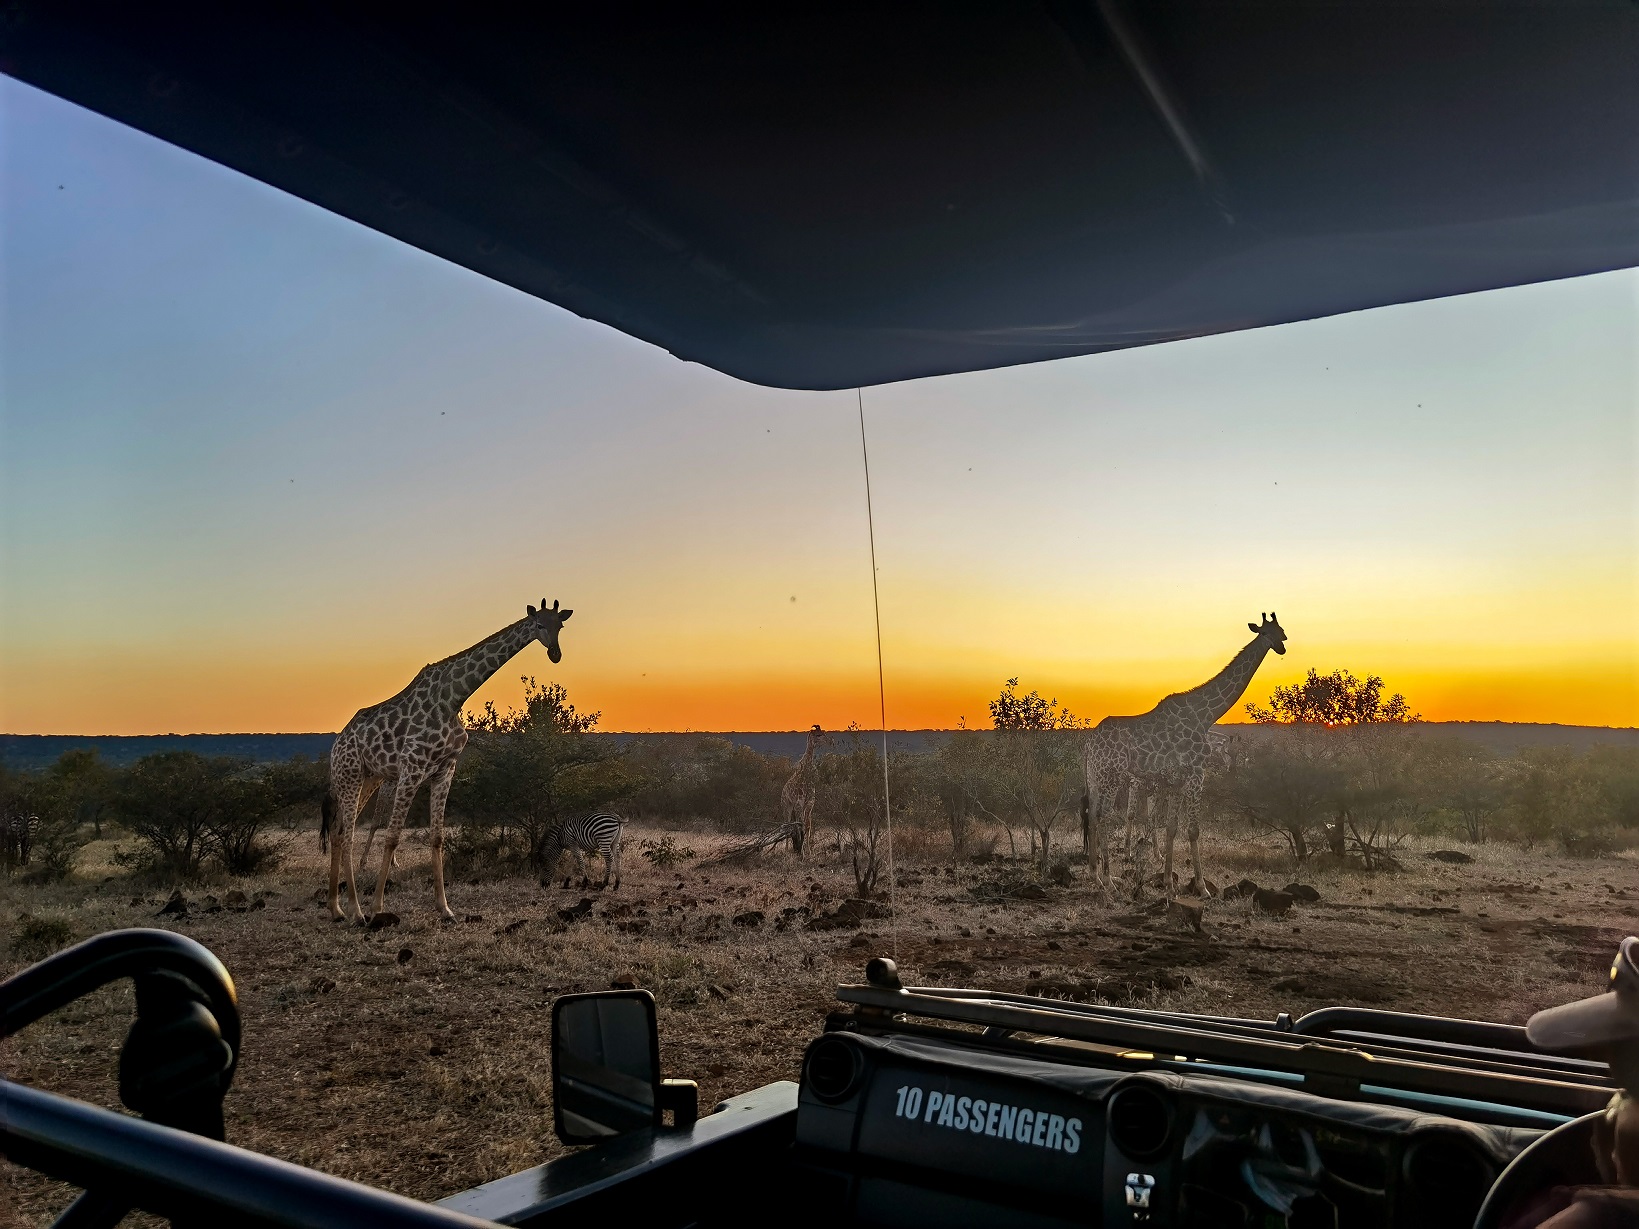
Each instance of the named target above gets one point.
<point>17,838</point>
<point>599,834</point>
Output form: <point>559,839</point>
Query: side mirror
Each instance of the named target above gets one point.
<point>605,1065</point>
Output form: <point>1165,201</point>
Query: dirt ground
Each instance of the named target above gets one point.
<point>416,1057</point>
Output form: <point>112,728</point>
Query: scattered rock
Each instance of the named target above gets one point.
<point>750,919</point>
<point>143,900</point>
<point>236,900</point>
<point>635,927</point>
<point>320,984</point>
<point>177,904</point>
<point>473,917</point>
<point>1451,855</point>
<point>575,912</point>
<point>405,955</point>
<point>211,904</point>
<point>1183,911</point>
<point>717,992</point>
<point>383,920</point>
<point>716,1069</point>
<point>859,941</point>
<point>625,981</point>
<point>1301,891</point>
<point>258,903</point>
<point>436,1051</point>
<point>512,928</point>
<point>1277,903</point>
<point>1336,987</point>
<point>1053,945</point>
<point>849,914</point>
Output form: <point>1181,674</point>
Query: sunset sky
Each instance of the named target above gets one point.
<point>259,464</point>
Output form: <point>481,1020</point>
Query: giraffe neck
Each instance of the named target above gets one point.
<point>461,675</point>
<point>1215,697</point>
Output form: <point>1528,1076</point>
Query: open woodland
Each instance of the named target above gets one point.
<point>414,1056</point>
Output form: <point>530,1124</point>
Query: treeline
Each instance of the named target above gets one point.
<point>1349,790</point>
<point>186,811</point>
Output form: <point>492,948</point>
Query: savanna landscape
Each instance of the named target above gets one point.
<point>1429,873</point>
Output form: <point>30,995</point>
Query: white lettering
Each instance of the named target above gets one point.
<point>1024,1126</point>
<point>1021,1132</point>
<point>1055,1132</point>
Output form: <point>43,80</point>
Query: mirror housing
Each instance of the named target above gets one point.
<point>605,1065</point>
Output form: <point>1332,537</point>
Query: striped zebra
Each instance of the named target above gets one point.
<point>599,834</point>
<point>17,838</point>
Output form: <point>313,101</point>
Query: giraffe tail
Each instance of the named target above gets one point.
<point>327,816</point>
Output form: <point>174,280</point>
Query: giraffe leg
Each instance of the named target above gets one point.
<point>1192,812</point>
<point>347,802</point>
<point>348,829</point>
<point>376,820</point>
<point>1170,803</point>
<point>438,792</point>
<point>404,791</point>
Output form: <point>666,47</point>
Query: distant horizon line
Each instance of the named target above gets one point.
<point>1565,725</point>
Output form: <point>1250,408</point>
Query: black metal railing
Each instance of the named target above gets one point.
<point>189,1178</point>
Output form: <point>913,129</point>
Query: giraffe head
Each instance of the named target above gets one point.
<point>547,624</point>
<point>1274,636</point>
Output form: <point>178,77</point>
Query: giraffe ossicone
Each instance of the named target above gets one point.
<point>416,739</point>
<point>1160,757</point>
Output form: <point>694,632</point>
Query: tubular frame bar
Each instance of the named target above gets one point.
<point>175,1174</point>
<point>1328,1063</point>
<point>1403,1033</point>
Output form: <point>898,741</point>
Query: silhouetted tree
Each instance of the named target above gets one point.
<point>1333,699</point>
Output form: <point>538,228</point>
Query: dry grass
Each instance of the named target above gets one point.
<point>431,1075</point>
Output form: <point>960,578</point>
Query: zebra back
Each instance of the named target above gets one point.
<point>594,834</point>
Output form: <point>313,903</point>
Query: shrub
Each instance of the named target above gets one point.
<point>665,852</point>
<point>699,777</point>
<point>35,938</point>
<point>529,771</point>
<point>183,807</point>
<point>57,843</point>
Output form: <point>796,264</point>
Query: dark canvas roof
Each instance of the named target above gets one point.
<point>827,195</point>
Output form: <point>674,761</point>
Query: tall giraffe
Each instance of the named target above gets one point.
<point>412,739</point>
<point>1163,754</point>
<point>797,798</point>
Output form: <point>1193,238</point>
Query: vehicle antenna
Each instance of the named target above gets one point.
<point>881,686</point>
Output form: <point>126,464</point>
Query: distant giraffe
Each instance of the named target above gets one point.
<point>797,798</point>
<point>1163,754</point>
<point>413,739</point>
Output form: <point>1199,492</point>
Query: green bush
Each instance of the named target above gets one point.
<point>35,938</point>
<point>183,808</point>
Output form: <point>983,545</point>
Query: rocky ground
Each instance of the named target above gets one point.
<point>415,1056</point>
